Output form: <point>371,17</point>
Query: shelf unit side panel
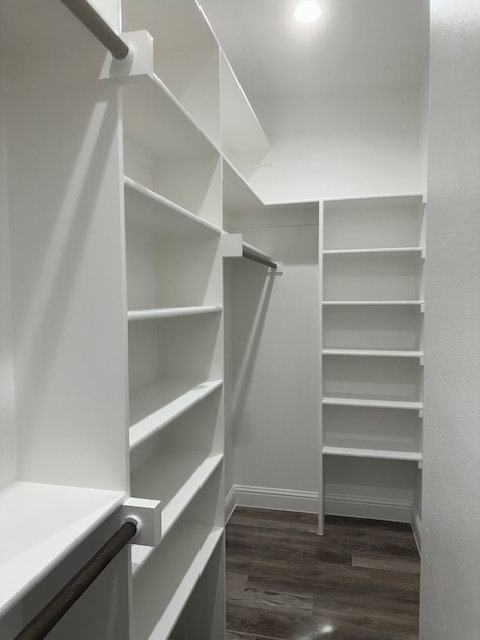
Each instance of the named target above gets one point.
<point>8,446</point>
<point>374,222</point>
<point>65,215</point>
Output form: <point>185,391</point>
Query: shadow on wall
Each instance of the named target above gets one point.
<point>255,308</point>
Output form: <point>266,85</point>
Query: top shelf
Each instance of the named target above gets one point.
<point>44,524</point>
<point>186,56</point>
<point>244,142</point>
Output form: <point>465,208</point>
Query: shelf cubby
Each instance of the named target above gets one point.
<point>371,433</point>
<point>372,487</point>
<point>372,277</point>
<point>373,328</point>
<point>155,405</point>
<point>379,379</point>
<point>369,223</point>
<point>172,261</point>
<point>183,351</point>
<point>167,153</point>
<point>159,214</point>
<point>186,55</point>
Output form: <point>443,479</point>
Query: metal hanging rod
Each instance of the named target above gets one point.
<point>250,255</point>
<point>97,25</point>
<point>58,606</point>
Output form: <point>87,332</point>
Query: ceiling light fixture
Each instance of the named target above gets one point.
<point>307,11</point>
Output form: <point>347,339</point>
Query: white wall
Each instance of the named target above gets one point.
<point>342,145</point>
<point>451,506</point>
<point>7,427</point>
<point>272,424</point>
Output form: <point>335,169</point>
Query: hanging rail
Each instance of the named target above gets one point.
<point>257,256</point>
<point>97,25</point>
<point>58,606</point>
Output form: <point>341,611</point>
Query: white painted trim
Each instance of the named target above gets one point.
<point>230,504</point>
<point>417,529</point>
<point>279,499</point>
<point>307,502</point>
<point>371,508</point>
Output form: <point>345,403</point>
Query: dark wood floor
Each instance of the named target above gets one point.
<point>360,581</point>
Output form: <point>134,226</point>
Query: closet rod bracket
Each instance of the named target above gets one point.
<point>146,514</point>
<point>139,62</point>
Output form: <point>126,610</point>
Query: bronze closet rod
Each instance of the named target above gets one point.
<point>97,25</point>
<point>58,606</point>
<point>256,258</point>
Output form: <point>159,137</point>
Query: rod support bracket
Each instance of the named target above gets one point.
<point>146,514</point>
<point>139,61</point>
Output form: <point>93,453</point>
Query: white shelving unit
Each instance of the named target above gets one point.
<point>177,132</point>
<point>372,292</point>
<point>116,338</point>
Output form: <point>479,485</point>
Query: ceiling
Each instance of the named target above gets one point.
<point>357,45</point>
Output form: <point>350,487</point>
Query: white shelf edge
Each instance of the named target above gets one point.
<point>382,250</point>
<point>159,82</point>
<point>170,312</point>
<point>162,417</point>
<point>380,353</point>
<point>47,551</point>
<point>184,496</point>
<point>375,303</point>
<point>361,402</point>
<point>183,591</point>
<point>382,454</point>
<point>156,197</point>
<point>223,56</point>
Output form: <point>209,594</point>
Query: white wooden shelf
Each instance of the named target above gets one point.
<point>372,402</point>
<point>243,140</point>
<point>373,251</point>
<point>175,480</point>
<point>162,587</point>
<point>169,215</point>
<point>382,454</point>
<point>41,525</point>
<point>377,353</point>
<point>378,303</point>
<point>156,404</point>
<point>171,312</point>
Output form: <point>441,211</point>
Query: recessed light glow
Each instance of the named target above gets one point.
<point>307,11</point>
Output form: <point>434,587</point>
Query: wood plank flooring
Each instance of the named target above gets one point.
<point>360,581</point>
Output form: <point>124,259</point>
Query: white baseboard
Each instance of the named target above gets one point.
<point>417,529</point>
<point>371,508</point>
<point>230,503</point>
<point>278,499</point>
<point>307,502</point>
